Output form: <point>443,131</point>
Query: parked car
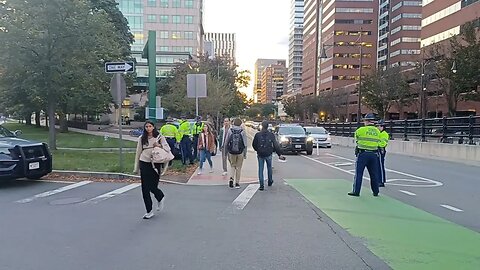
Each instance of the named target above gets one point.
<point>293,138</point>
<point>22,158</point>
<point>320,135</point>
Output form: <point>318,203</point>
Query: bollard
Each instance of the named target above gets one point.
<point>318,153</point>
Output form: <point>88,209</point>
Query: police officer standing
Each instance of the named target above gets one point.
<point>170,132</point>
<point>185,133</point>
<point>384,137</point>
<point>367,139</point>
<point>196,130</point>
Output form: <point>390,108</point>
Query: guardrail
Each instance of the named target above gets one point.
<point>461,130</point>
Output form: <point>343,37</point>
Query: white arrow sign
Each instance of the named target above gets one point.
<point>119,67</point>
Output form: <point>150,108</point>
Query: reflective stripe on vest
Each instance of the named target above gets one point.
<point>367,138</point>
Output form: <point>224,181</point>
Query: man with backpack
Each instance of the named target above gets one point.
<point>265,144</point>
<point>236,141</point>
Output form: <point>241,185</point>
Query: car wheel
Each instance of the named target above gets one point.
<point>329,146</point>
<point>309,152</point>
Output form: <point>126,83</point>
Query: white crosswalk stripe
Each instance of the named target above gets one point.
<point>112,194</point>
<point>53,192</point>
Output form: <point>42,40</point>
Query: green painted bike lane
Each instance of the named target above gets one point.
<point>403,236</point>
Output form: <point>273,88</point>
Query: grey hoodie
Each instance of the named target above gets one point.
<point>244,136</point>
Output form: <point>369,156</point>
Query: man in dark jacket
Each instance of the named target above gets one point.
<point>265,144</point>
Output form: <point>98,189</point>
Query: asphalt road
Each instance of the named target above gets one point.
<point>200,228</point>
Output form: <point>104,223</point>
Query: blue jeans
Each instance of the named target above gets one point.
<point>261,162</point>
<point>205,154</point>
<point>372,162</point>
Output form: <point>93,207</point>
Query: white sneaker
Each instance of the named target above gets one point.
<point>148,215</point>
<point>211,170</point>
<point>224,173</point>
<point>161,205</point>
<point>199,173</point>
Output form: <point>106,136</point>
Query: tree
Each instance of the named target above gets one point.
<point>464,51</point>
<point>59,46</point>
<point>294,106</point>
<point>381,89</point>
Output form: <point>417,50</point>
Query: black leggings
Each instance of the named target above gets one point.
<point>150,179</point>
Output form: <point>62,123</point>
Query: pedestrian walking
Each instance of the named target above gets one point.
<point>367,139</point>
<point>237,151</point>
<point>150,172</point>
<point>185,131</point>
<point>206,146</point>
<point>197,128</point>
<point>264,143</point>
<point>222,144</point>
<point>382,146</point>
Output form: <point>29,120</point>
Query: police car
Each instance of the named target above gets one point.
<point>293,138</point>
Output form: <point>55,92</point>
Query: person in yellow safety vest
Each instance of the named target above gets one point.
<point>170,132</point>
<point>367,139</point>
<point>384,137</point>
<point>185,132</point>
<point>196,130</point>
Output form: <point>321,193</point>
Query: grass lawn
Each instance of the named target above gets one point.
<point>68,140</point>
<point>73,160</point>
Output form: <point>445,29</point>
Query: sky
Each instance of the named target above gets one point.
<point>261,27</point>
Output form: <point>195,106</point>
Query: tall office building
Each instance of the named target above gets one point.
<point>295,52</point>
<point>223,45</point>
<point>260,65</point>
<point>399,25</point>
<point>311,24</point>
<point>273,82</point>
<point>442,19</point>
<point>348,28</point>
<point>178,25</point>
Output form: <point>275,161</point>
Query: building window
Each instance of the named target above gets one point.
<point>189,3</point>
<point>189,50</point>
<point>151,18</point>
<point>176,3</point>
<point>188,35</point>
<point>176,35</point>
<point>177,49</point>
<point>164,3</point>
<point>176,19</point>
<point>164,18</point>
<point>164,34</point>
<point>151,3</point>
<point>354,10</point>
<point>164,48</point>
<point>188,19</point>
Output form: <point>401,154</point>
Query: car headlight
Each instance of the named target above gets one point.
<point>310,139</point>
<point>329,138</point>
<point>284,139</point>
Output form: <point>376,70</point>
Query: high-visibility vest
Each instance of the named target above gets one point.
<point>367,138</point>
<point>197,128</point>
<point>185,129</point>
<point>170,131</point>
<point>384,137</point>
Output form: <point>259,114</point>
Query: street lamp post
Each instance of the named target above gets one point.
<point>323,55</point>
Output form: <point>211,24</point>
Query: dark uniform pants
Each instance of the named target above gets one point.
<point>186,148</point>
<point>383,176</point>
<point>171,142</point>
<point>195,146</point>
<point>370,160</point>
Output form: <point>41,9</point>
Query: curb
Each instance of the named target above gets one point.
<point>115,176</point>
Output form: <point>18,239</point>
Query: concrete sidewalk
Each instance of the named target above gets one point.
<point>104,133</point>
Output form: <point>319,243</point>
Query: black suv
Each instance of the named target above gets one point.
<point>293,138</point>
<point>21,158</point>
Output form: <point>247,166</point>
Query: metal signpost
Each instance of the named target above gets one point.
<point>196,88</point>
<point>118,89</point>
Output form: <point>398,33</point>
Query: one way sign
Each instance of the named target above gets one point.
<point>119,67</point>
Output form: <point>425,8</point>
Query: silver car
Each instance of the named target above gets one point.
<point>320,135</point>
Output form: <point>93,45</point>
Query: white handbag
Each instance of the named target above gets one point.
<point>160,155</point>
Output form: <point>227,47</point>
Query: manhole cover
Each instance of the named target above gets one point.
<point>67,201</point>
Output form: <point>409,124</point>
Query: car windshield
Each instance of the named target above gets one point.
<point>5,132</point>
<point>291,130</point>
<point>316,130</point>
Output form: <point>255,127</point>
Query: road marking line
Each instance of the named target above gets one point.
<point>451,208</point>
<point>241,201</point>
<point>53,192</point>
<point>436,183</point>
<point>407,192</point>
<point>112,194</point>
